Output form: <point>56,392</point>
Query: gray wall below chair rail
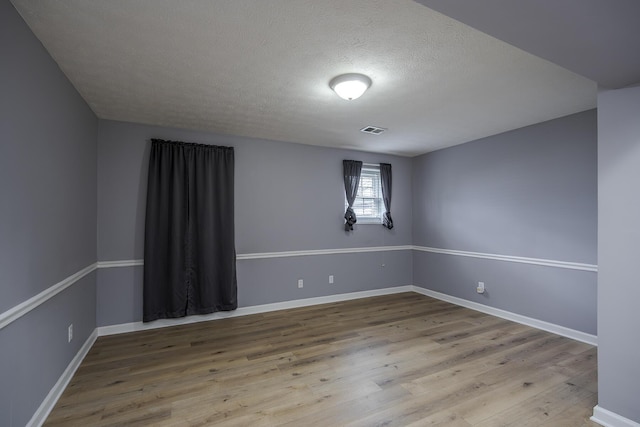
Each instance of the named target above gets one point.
<point>119,292</point>
<point>34,351</point>
<point>560,296</point>
<point>531,192</point>
<point>47,217</point>
<point>267,280</point>
<point>274,280</point>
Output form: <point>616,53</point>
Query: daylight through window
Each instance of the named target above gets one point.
<point>368,203</point>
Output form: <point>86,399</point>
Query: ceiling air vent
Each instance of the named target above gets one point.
<point>373,130</point>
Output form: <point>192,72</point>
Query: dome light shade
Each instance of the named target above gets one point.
<point>350,86</point>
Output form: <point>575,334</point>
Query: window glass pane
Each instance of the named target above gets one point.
<point>368,203</point>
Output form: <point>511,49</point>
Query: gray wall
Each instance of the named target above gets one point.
<point>47,217</point>
<point>619,251</point>
<point>595,39</point>
<point>264,281</point>
<point>289,197</point>
<point>532,193</point>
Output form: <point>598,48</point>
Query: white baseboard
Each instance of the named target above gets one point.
<point>535,323</point>
<point>607,418</point>
<point>50,401</point>
<point>244,311</point>
<point>264,308</point>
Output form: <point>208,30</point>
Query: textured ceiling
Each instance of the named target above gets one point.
<point>261,69</point>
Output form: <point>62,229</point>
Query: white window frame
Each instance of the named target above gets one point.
<point>373,198</point>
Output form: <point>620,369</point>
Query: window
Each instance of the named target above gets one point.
<point>368,203</point>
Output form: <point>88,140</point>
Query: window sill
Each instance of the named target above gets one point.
<point>376,221</point>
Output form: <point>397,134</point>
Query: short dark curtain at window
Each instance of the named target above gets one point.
<point>385,181</point>
<point>351,171</point>
<point>189,247</point>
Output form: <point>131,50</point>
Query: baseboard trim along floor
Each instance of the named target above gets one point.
<point>245,311</point>
<point>50,401</point>
<point>534,323</point>
<point>607,418</point>
<point>264,308</point>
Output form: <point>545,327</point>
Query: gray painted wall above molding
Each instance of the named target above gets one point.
<point>288,196</point>
<point>47,168</point>
<point>531,192</point>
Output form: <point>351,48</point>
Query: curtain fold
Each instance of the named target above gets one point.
<point>351,171</point>
<point>189,250</point>
<point>385,181</point>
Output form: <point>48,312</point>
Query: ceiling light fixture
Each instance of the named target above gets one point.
<point>350,86</point>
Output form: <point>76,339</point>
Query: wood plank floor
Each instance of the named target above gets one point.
<point>404,359</point>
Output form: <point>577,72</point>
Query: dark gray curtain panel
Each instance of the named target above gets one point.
<point>385,180</point>
<point>351,169</point>
<point>189,246</point>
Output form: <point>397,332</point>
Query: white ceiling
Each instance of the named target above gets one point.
<point>261,69</point>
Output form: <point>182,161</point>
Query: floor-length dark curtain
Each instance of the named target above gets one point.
<point>189,247</point>
<point>351,170</point>
<point>385,181</point>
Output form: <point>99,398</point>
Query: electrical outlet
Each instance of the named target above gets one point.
<point>480,288</point>
<point>331,279</point>
<point>300,283</point>
<point>70,332</point>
